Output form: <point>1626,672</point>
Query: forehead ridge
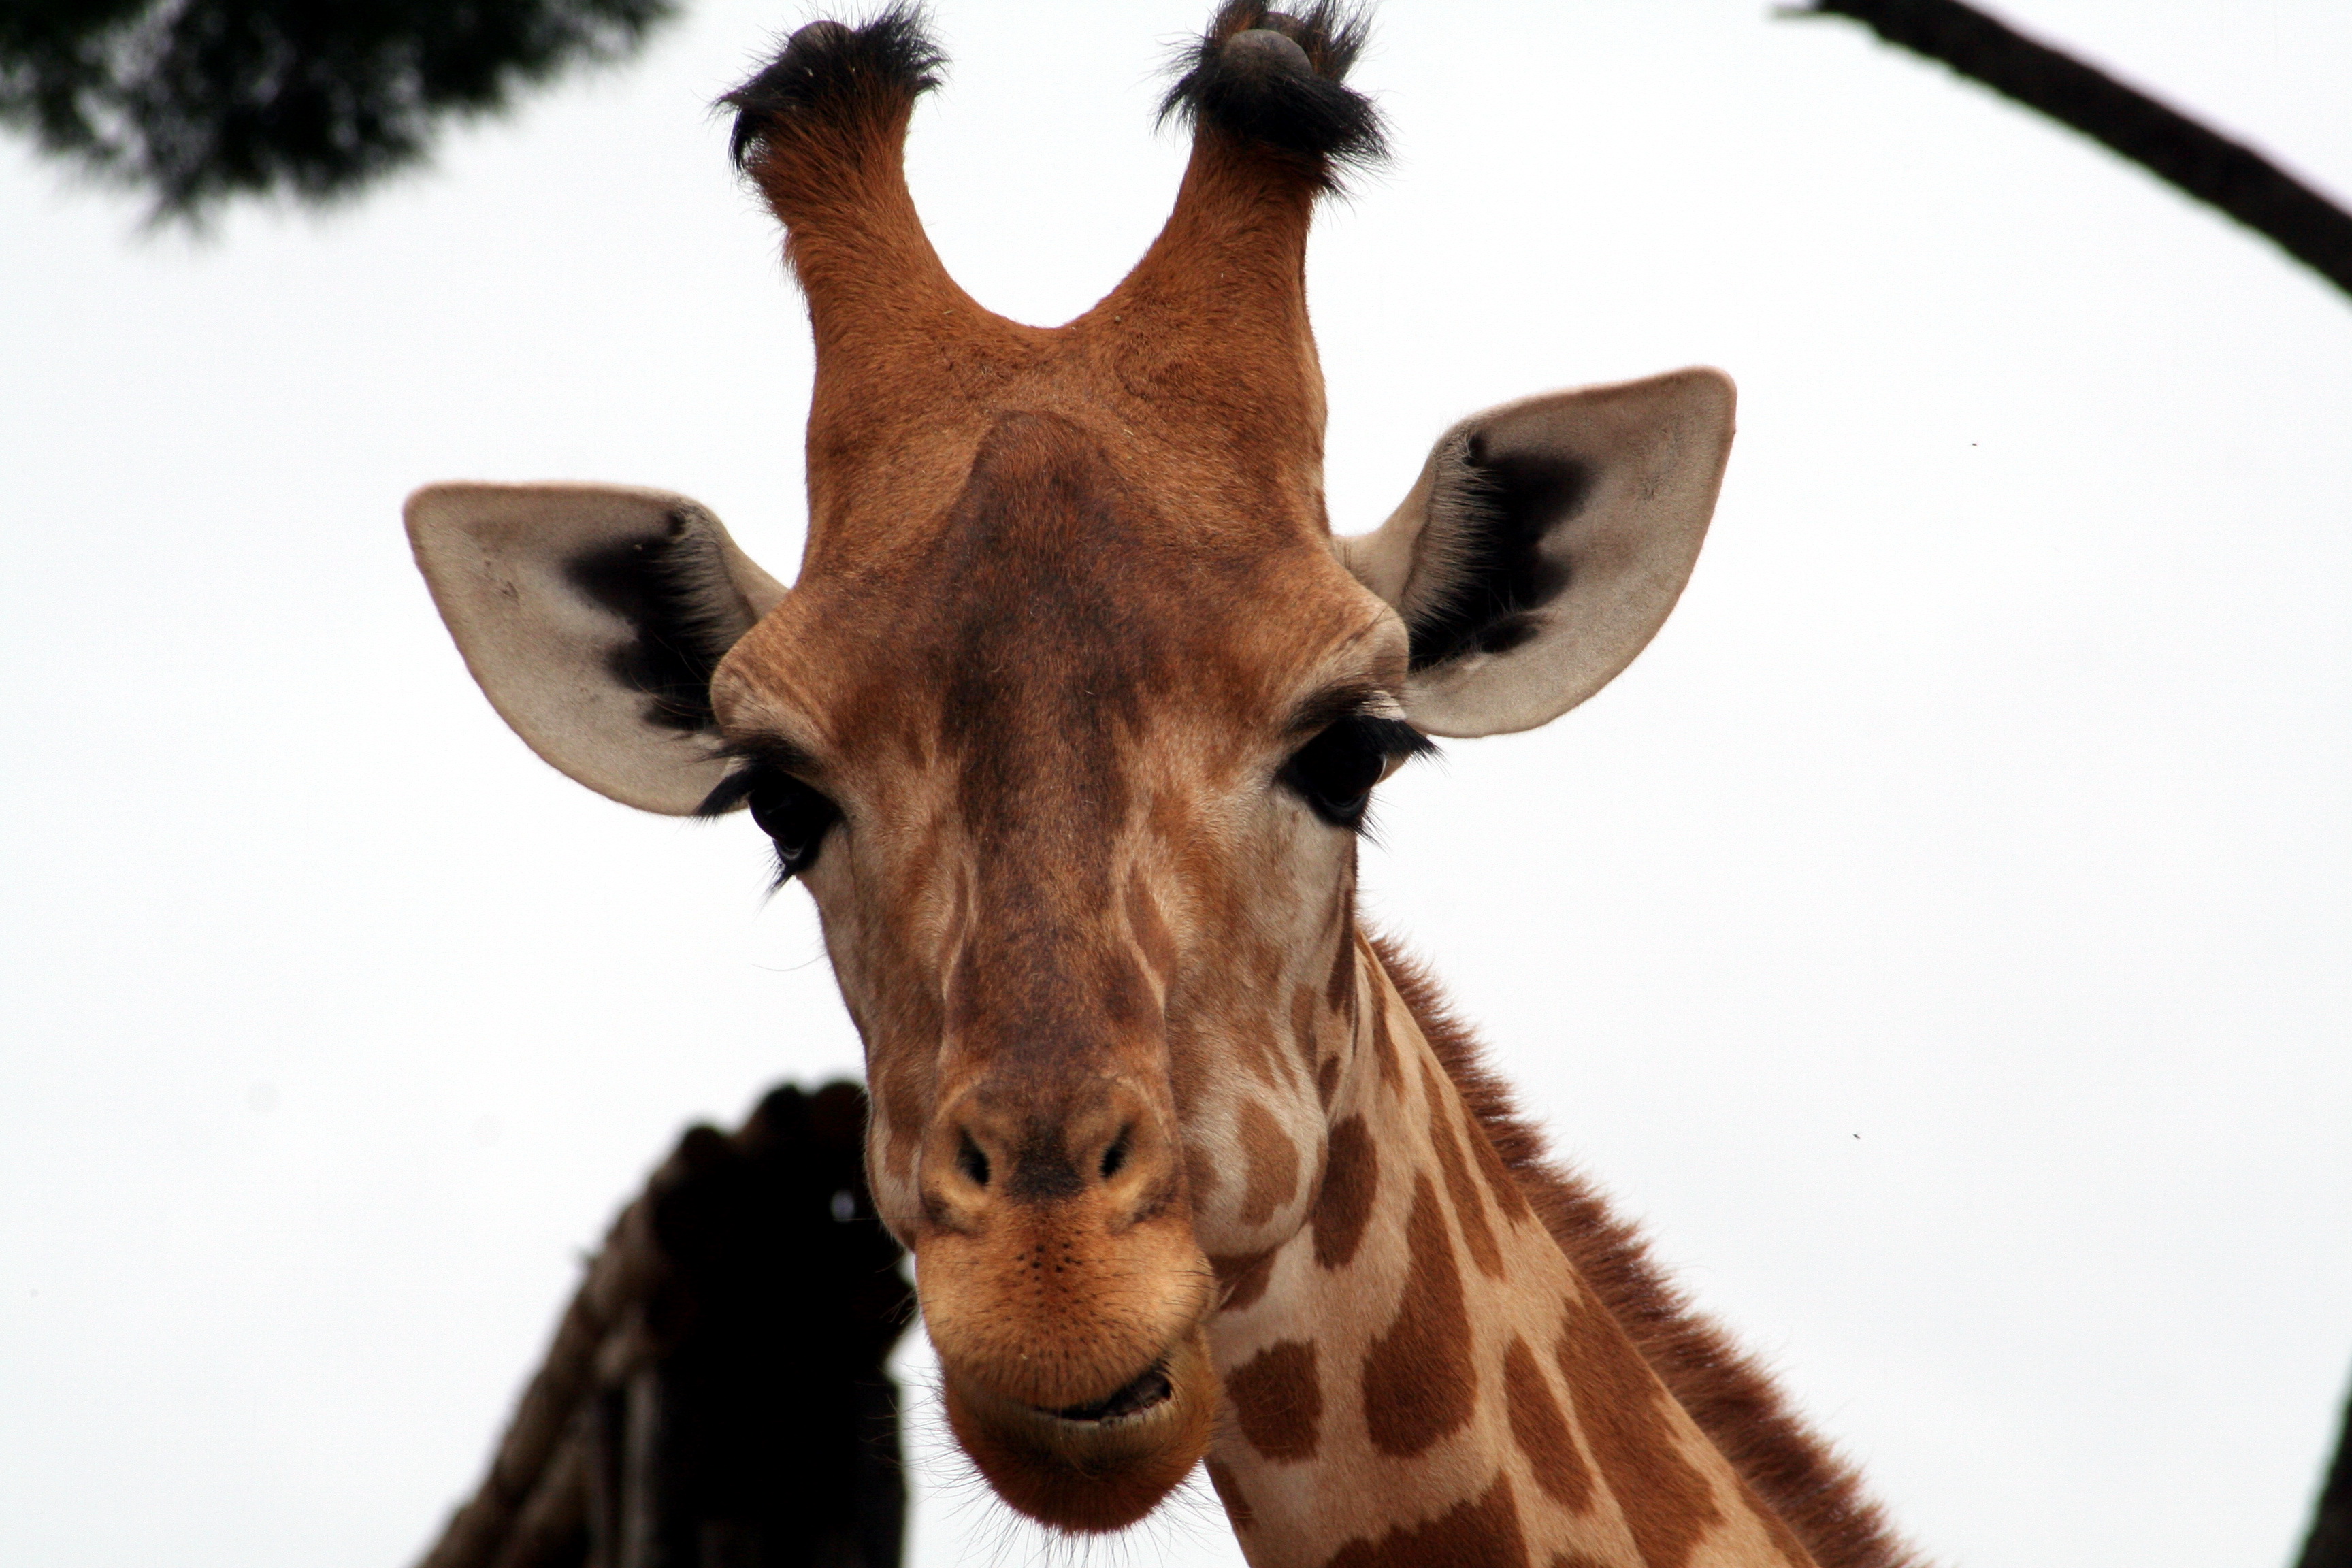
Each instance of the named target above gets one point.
<point>1060,587</point>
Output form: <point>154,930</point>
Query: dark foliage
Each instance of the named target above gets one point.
<point>2223,174</point>
<point>197,100</point>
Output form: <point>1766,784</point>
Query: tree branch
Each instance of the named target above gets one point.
<point>2329,1544</point>
<point>2223,174</point>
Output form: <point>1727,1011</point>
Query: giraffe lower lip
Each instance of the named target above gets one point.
<point>1145,1393</point>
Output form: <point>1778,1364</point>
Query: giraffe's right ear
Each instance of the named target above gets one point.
<point>1543,544</point>
<point>592,616</point>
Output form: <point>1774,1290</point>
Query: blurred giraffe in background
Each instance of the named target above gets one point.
<point>1068,724</point>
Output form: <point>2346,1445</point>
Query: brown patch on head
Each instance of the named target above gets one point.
<point>1542,1432</point>
<point>1243,1280</point>
<point>1351,1176</point>
<point>1153,938</point>
<point>1229,1492</point>
<point>1420,1382</point>
<point>1326,1080</point>
<point>1468,1206</point>
<point>1667,1503</point>
<point>1273,1164</point>
<point>1576,1560</point>
<point>904,1113</point>
<point>1477,1532</point>
<point>1278,1399</point>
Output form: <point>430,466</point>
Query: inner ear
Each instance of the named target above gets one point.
<point>594,616</point>
<point>670,590</point>
<point>1483,569</point>
<point>1543,544</point>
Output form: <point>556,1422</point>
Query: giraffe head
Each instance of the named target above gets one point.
<point>1070,718</point>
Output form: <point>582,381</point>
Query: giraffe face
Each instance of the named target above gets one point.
<point>1071,714</point>
<point>1076,804</point>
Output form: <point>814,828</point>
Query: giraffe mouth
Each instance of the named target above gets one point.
<point>1102,1464</point>
<point>1146,1393</point>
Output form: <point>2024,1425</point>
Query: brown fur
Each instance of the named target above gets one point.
<point>1351,1175</point>
<point>1542,1432</point>
<point>1667,1503</point>
<point>1818,1493</point>
<point>1419,1380</point>
<point>1243,1279</point>
<point>1272,1159</point>
<point>1479,1532</point>
<point>1468,1206</point>
<point>1278,1397</point>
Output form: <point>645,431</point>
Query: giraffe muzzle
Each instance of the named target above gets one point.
<point>1100,1465</point>
<point>1065,1294</point>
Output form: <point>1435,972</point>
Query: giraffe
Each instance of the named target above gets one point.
<point>1068,724</point>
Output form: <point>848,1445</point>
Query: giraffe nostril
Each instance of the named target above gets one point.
<point>1113,1158</point>
<point>972,1161</point>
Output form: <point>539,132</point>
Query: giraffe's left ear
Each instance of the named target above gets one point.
<point>1543,544</point>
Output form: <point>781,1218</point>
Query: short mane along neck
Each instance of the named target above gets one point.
<point>1424,1375</point>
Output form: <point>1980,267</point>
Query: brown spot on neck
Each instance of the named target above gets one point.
<point>1244,1278</point>
<point>1303,1036</point>
<point>1337,989</point>
<point>1420,1382</point>
<point>1278,1399</point>
<point>1272,1161</point>
<point>1469,1207</point>
<point>1542,1432</point>
<point>1623,1410</point>
<point>1477,1532</point>
<point>1384,1046</point>
<point>1508,1195</point>
<point>1352,1177</point>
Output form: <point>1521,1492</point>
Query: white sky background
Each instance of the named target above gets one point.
<point>1938,935</point>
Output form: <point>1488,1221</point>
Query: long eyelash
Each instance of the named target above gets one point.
<point>731,792</point>
<point>1396,738</point>
<point>753,759</point>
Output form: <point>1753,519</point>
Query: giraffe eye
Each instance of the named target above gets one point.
<point>1335,772</point>
<point>794,815</point>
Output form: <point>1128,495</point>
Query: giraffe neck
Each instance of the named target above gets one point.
<point>1419,1377</point>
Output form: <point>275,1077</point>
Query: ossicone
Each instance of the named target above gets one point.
<point>1275,78</point>
<point>831,77</point>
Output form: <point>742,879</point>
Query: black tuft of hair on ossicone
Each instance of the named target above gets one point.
<point>831,70</point>
<point>1275,77</point>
